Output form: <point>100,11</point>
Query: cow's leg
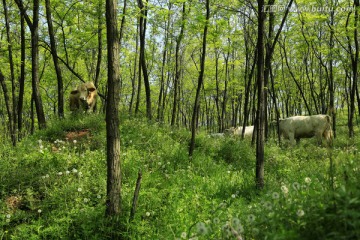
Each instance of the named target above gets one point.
<point>318,136</point>
<point>291,138</point>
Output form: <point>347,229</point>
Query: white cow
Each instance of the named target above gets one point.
<point>296,127</point>
<point>237,131</point>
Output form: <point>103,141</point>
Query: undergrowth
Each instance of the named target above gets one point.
<point>53,186</point>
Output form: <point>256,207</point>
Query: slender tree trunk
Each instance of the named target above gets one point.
<point>270,47</point>
<point>34,28</point>
<point>332,111</point>
<point>260,118</point>
<point>224,101</point>
<point>55,59</point>
<point>12,76</point>
<point>200,82</point>
<point>217,97</point>
<point>160,109</point>
<point>133,79</point>
<point>8,109</point>
<point>177,66</point>
<point>22,76</point>
<point>99,51</point>
<point>113,193</point>
<point>354,67</point>
<point>143,15</point>
<point>35,66</point>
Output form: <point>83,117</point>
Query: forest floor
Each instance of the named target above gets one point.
<point>53,186</point>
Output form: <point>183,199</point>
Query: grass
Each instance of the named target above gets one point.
<point>54,188</point>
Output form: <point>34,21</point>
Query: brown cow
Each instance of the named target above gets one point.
<point>83,97</point>
<point>297,127</point>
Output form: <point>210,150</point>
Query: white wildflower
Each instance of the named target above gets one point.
<point>251,218</point>
<point>284,189</point>
<point>227,231</point>
<point>300,212</point>
<point>235,222</point>
<point>296,186</point>
<point>240,228</point>
<point>216,220</point>
<point>201,228</point>
<point>79,189</point>
<point>308,180</point>
<point>268,205</point>
<point>275,195</point>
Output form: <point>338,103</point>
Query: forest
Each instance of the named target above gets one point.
<point>169,74</point>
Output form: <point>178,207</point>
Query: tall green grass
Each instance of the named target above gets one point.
<point>53,188</point>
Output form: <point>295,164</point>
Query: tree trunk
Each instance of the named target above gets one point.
<point>99,51</point>
<point>133,78</point>
<point>12,76</point>
<point>35,66</point>
<point>227,78</point>
<point>8,109</point>
<point>200,82</point>
<point>160,109</point>
<point>332,111</point>
<point>55,59</point>
<point>113,193</point>
<point>217,97</point>
<point>177,66</point>
<point>270,47</point>
<point>143,16</point>
<point>22,76</point>
<point>354,64</point>
<point>260,118</point>
<point>34,28</point>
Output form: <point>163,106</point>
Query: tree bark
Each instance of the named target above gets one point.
<point>270,47</point>
<point>55,59</point>
<point>8,108</point>
<point>260,118</point>
<point>113,193</point>
<point>133,78</point>
<point>160,109</point>
<point>143,14</point>
<point>177,66</point>
<point>200,82</point>
<point>99,52</point>
<point>22,76</point>
<point>354,55</point>
<point>331,110</point>
<point>12,76</point>
<point>34,28</point>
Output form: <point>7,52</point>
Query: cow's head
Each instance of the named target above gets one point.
<point>85,90</point>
